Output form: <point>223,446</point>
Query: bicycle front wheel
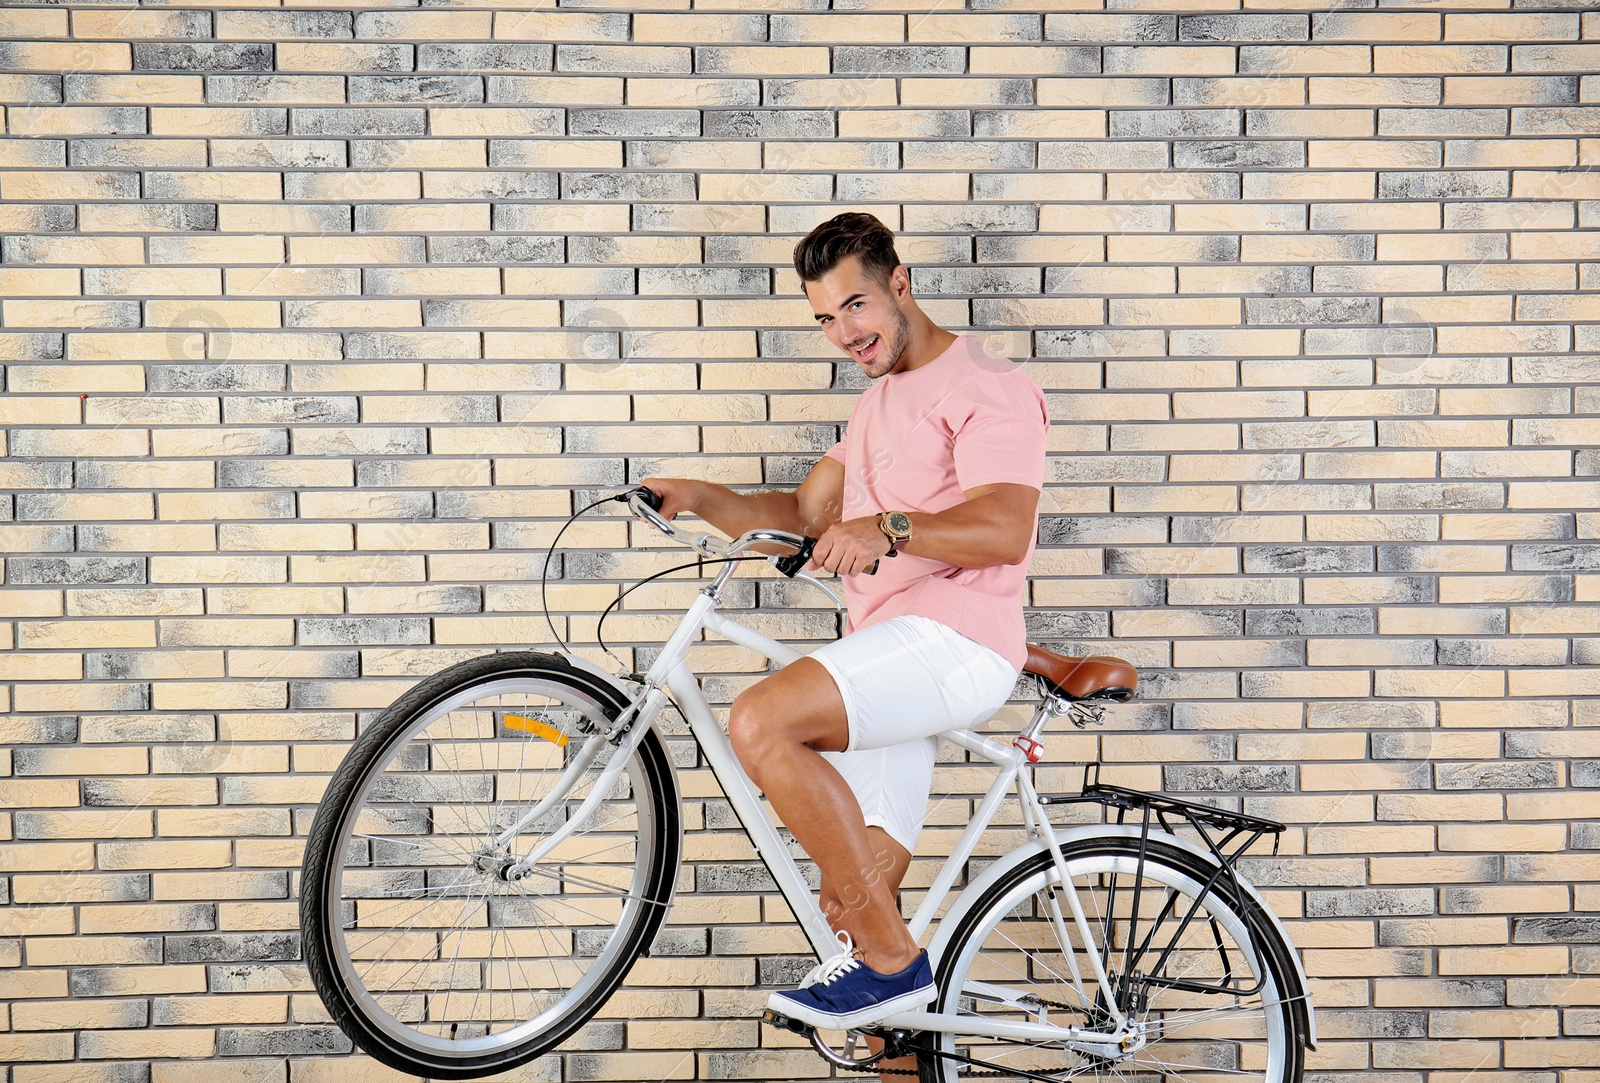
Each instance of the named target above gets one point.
<point>1198,976</point>
<point>429,947</point>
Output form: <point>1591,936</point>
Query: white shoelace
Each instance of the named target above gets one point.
<point>829,969</point>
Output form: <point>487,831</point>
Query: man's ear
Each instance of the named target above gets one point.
<point>900,282</point>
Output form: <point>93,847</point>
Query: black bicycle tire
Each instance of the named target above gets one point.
<point>366,755</point>
<point>1277,955</point>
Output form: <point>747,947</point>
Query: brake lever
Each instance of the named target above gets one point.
<point>814,581</point>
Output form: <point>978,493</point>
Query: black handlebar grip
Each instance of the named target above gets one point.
<point>793,563</point>
<point>649,496</point>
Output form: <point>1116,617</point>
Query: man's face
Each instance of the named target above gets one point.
<point>862,316</point>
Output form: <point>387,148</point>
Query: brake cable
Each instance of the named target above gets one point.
<point>544,576</point>
<point>701,563</point>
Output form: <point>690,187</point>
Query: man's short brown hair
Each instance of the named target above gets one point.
<point>850,234</point>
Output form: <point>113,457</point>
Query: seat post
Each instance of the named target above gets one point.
<point>1041,715</point>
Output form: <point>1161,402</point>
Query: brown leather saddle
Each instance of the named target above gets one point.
<point>1095,677</point>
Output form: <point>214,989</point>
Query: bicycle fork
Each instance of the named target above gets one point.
<point>628,728</point>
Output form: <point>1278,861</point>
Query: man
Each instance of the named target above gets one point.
<point>938,480</point>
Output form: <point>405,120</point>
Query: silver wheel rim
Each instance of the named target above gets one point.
<point>995,952</point>
<point>538,947</point>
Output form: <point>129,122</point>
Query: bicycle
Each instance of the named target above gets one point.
<point>500,845</point>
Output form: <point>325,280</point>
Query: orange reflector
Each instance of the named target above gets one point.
<point>535,727</point>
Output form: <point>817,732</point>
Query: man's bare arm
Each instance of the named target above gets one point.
<point>810,509</point>
<point>993,526</point>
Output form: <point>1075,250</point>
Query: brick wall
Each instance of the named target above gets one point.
<point>315,318</point>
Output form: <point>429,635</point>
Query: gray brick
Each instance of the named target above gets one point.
<point>1300,559</point>
<point>281,1041</point>
<point>1301,311</point>
<point>1231,27</point>
<point>215,378</point>
<point>1525,775</point>
<point>1304,872</point>
<point>1218,778</point>
<point>496,56</point>
<point>446,249</point>
<point>1570,929</point>
<point>208,56</point>
<point>369,89</point>
<point>769,124</point>
<point>628,186</point>
<point>1445,184</point>
<point>358,122</point>
<point>1320,621</point>
<point>1069,624</point>
<point>1174,123</point>
<point>635,123</point>
<point>1571,557</point>
<point>73,571</point>
<point>339,631</point>
<point>1389,1024</point>
<point>739,878</point>
<point>233,948</point>
<point>1374,902</point>
<point>627,59</point>
<point>1586,773</point>
<point>1446,496</point>
<point>899,59</point>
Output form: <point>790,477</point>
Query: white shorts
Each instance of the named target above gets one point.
<point>904,682</point>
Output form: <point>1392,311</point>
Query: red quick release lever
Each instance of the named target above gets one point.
<point>1030,748</point>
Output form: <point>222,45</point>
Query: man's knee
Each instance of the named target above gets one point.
<point>745,729</point>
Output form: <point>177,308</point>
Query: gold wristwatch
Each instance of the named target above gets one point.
<point>896,526</point>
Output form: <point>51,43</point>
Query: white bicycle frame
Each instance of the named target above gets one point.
<point>670,674</point>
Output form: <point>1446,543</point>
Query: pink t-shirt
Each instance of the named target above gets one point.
<point>916,441</point>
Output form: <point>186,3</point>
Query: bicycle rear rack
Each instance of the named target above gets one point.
<point>1227,835</point>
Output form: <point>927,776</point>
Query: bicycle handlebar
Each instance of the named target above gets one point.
<point>646,504</point>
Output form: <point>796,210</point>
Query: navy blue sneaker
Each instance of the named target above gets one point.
<point>843,993</point>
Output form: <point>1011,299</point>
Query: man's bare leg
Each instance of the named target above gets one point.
<point>891,860</point>
<point>779,729</point>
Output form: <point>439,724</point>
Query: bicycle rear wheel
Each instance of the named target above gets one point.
<point>424,945</point>
<point>1202,985</point>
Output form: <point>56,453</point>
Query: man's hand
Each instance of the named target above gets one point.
<point>850,547</point>
<point>677,494</point>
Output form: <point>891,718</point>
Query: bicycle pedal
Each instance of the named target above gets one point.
<point>783,1022</point>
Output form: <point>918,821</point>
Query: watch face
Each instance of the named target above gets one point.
<point>900,523</point>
